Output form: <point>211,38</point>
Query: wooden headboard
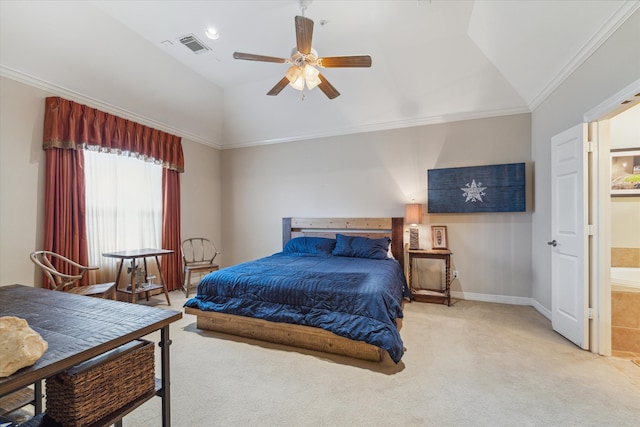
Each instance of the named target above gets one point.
<point>329,227</point>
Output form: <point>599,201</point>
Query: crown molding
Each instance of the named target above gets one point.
<point>376,127</point>
<point>624,11</point>
<point>57,90</point>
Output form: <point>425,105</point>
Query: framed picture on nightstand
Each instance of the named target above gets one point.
<point>439,236</point>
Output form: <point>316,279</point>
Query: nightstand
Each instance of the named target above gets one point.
<point>431,295</point>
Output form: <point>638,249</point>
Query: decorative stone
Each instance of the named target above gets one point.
<point>20,345</point>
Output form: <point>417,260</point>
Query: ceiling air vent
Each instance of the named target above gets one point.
<point>194,44</point>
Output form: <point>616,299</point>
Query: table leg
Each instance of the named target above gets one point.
<point>37,392</point>
<point>118,275</point>
<point>164,286</point>
<point>133,280</point>
<point>410,278</point>
<point>146,272</point>
<point>164,344</point>
<point>448,280</point>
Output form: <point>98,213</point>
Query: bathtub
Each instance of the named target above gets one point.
<point>625,279</point>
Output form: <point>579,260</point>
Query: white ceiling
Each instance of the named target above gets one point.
<point>433,61</point>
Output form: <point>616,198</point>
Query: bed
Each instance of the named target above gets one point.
<point>337,286</point>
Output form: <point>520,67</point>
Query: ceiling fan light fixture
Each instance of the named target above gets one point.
<point>299,76</point>
<point>298,84</point>
<point>311,76</point>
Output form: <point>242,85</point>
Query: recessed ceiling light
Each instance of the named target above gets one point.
<point>212,33</point>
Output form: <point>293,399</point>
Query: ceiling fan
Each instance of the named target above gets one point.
<point>304,61</point>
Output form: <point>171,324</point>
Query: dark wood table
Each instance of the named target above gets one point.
<point>134,255</point>
<point>429,295</point>
<point>78,328</point>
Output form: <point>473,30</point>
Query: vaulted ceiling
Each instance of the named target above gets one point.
<point>433,61</point>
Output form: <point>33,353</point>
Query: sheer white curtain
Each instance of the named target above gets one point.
<point>123,207</point>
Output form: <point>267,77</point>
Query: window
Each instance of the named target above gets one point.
<point>123,206</point>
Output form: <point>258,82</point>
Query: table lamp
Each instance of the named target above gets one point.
<point>413,217</point>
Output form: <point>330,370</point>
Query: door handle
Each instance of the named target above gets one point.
<point>552,243</point>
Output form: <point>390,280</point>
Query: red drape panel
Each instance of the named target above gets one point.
<point>171,264</point>
<point>68,124</point>
<point>65,230</point>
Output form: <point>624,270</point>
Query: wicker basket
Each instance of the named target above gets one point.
<point>93,389</point>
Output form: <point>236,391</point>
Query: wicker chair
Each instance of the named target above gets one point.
<point>198,254</point>
<point>69,282</point>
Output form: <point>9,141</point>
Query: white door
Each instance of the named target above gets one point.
<point>569,240</point>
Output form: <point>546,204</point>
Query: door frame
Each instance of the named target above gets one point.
<point>600,213</point>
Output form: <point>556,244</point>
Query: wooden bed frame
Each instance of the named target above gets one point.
<point>305,336</point>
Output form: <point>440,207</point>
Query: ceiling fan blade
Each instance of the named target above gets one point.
<point>304,34</point>
<point>327,88</point>
<point>252,57</point>
<point>278,87</point>
<point>345,61</point>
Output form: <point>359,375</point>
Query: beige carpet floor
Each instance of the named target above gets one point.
<point>472,364</point>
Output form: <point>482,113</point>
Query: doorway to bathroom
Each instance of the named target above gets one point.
<point>613,125</point>
<point>624,138</point>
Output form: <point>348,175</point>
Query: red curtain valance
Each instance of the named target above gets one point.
<point>70,125</point>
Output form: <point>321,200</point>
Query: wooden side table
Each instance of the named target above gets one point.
<point>431,295</point>
<point>134,255</point>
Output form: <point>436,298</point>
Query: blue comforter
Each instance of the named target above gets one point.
<point>356,298</point>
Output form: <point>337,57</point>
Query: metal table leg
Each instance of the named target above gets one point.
<point>164,344</point>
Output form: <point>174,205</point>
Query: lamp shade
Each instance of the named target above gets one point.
<point>313,82</point>
<point>413,213</point>
<point>310,73</point>
<point>298,83</point>
<point>293,73</point>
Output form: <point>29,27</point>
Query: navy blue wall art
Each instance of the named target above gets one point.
<point>494,188</point>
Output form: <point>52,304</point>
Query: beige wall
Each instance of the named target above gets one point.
<point>625,222</point>
<point>611,68</point>
<point>200,193</point>
<point>376,174</point>
<point>22,183</point>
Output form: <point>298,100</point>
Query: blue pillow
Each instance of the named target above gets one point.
<point>362,247</point>
<point>310,245</point>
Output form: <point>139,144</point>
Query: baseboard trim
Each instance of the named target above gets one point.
<point>541,309</point>
<point>503,299</point>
